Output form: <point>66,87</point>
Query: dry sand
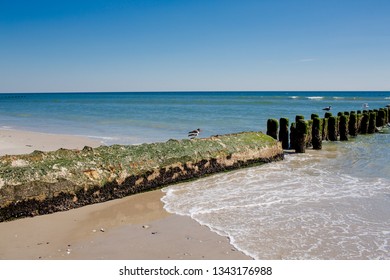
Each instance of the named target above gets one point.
<point>13,142</point>
<point>135,227</point>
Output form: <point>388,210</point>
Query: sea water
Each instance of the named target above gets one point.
<point>133,118</point>
<point>327,204</point>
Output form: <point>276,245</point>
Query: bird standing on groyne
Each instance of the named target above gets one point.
<point>327,108</point>
<point>194,133</point>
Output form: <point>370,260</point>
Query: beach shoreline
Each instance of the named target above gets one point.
<point>135,227</point>
<point>15,142</point>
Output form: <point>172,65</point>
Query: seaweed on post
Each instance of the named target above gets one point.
<point>272,128</point>
<point>352,124</point>
<point>301,133</point>
<point>317,134</point>
<point>283,132</point>
<point>364,123</point>
<point>372,123</point>
<point>343,128</point>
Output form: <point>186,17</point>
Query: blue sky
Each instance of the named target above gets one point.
<point>172,45</point>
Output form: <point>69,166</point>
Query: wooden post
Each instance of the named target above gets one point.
<point>352,124</point>
<point>313,116</point>
<point>272,128</point>
<point>364,123</point>
<point>332,130</point>
<point>317,134</point>
<point>359,121</point>
<point>381,118</point>
<point>343,128</point>
<point>299,117</point>
<point>372,123</point>
<point>283,133</point>
<point>301,132</point>
<point>292,136</point>
<point>325,135</point>
<point>309,136</point>
<point>328,115</point>
<point>388,113</point>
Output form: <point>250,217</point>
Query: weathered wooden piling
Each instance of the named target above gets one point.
<point>272,128</point>
<point>311,133</point>
<point>343,128</point>
<point>387,109</point>
<point>299,117</point>
<point>372,122</point>
<point>313,116</point>
<point>381,118</point>
<point>364,124</point>
<point>301,133</point>
<point>352,124</point>
<point>388,113</point>
<point>309,136</point>
<point>332,128</point>
<point>283,132</point>
<point>317,133</point>
<point>325,135</point>
<point>327,115</point>
<point>292,136</point>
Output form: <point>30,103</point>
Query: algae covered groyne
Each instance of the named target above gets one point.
<point>311,133</point>
<point>46,182</point>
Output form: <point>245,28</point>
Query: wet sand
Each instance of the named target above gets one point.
<point>136,227</point>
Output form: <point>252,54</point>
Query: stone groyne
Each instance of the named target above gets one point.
<point>302,133</point>
<point>47,182</point>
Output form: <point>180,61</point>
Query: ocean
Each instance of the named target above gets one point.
<point>327,204</point>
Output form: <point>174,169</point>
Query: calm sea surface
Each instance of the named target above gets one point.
<point>328,204</point>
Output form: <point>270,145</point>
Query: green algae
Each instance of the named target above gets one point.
<point>73,178</point>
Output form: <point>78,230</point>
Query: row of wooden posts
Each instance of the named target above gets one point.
<point>311,133</point>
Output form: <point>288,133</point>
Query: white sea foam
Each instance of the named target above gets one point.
<point>294,97</point>
<point>387,97</point>
<point>305,207</point>
<point>315,97</point>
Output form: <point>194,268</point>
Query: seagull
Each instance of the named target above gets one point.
<point>365,105</point>
<point>194,133</point>
<point>327,108</point>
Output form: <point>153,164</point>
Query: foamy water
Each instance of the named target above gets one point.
<point>328,204</point>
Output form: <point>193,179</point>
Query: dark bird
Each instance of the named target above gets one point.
<point>327,108</point>
<point>194,133</point>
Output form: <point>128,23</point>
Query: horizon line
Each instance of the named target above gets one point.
<point>189,91</point>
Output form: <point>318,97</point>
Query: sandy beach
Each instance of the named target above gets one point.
<point>135,227</point>
<point>13,142</point>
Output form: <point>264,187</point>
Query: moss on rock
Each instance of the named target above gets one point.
<point>45,182</point>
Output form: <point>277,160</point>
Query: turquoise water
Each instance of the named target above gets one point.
<point>328,204</point>
<point>131,118</point>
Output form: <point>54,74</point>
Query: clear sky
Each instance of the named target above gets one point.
<point>174,45</point>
